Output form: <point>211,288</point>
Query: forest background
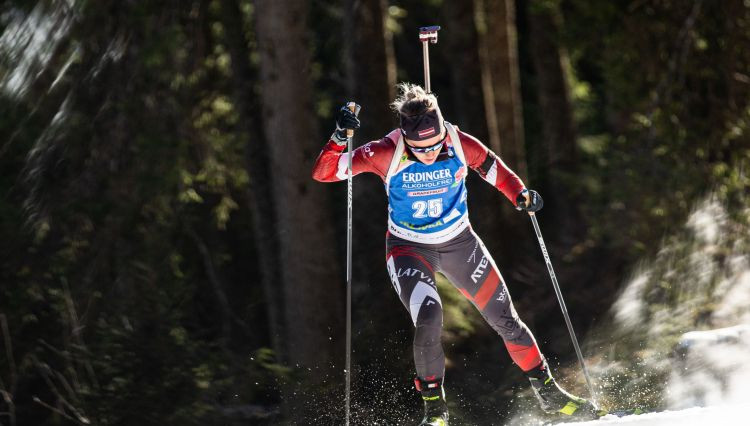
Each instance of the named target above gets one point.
<point>166,257</point>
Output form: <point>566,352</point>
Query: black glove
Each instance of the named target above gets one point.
<point>529,200</point>
<point>345,120</point>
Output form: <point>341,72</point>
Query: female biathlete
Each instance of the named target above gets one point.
<point>424,165</point>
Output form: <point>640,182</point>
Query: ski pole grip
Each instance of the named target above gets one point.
<point>353,107</point>
<point>429,34</point>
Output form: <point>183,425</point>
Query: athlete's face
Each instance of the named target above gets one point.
<point>427,157</point>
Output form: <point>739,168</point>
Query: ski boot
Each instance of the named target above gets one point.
<point>435,408</point>
<point>553,399</point>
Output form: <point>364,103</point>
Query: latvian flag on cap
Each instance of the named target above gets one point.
<point>426,133</point>
<point>422,126</point>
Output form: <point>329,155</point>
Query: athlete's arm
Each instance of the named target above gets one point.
<point>490,167</point>
<point>373,157</point>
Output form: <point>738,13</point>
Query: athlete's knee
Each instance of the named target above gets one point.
<point>428,329</point>
<point>513,331</point>
<point>507,324</point>
<point>424,304</point>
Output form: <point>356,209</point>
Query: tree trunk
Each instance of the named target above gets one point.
<point>466,109</point>
<point>498,59</point>
<point>503,90</point>
<point>310,279</point>
<point>554,98</point>
<point>558,153</point>
<point>259,191</point>
<point>369,62</point>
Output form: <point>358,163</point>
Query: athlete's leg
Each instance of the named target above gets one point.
<point>469,266</point>
<point>411,269</point>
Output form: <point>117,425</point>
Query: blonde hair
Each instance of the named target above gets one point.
<point>413,100</point>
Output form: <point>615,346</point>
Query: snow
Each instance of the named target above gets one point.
<point>723,415</point>
<point>708,380</point>
<point>711,368</point>
<point>709,383</point>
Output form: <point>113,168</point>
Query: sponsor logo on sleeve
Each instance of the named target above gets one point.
<point>368,149</point>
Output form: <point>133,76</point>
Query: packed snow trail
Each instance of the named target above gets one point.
<point>719,415</point>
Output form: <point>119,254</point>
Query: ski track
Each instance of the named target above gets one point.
<point>716,415</point>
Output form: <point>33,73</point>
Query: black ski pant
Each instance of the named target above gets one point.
<point>468,265</point>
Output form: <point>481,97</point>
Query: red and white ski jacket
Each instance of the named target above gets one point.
<point>375,157</point>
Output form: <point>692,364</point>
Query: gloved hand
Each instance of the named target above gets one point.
<point>345,120</point>
<point>529,200</point>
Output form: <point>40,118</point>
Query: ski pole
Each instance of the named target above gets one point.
<point>558,293</point>
<point>349,218</point>
<point>427,35</point>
